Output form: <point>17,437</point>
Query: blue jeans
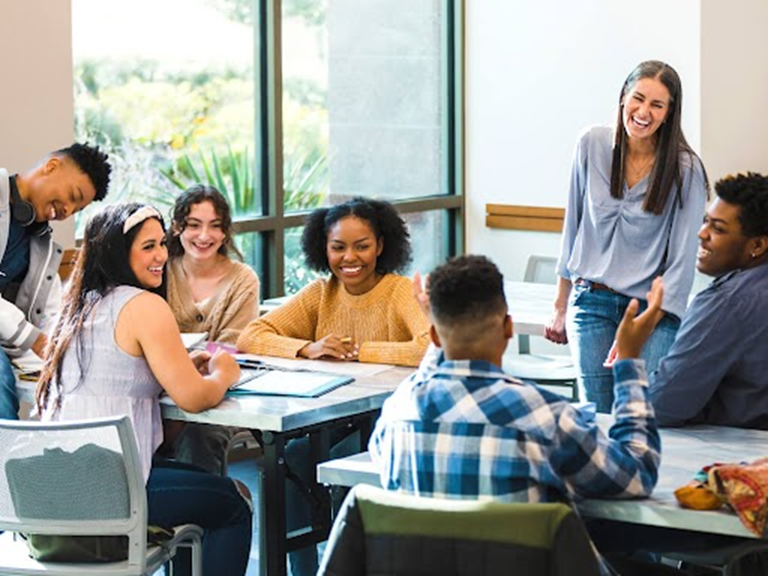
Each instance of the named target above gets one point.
<point>177,494</point>
<point>9,401</point>
<point>592,320</point>
<point>298,456</point>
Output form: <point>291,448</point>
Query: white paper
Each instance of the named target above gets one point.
<point>192,339</point>
<point>355,369</point>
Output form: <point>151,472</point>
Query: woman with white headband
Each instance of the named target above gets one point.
<point>116,348</point>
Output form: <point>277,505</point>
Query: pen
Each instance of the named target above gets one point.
<point>346,340</point>
<point>249,362</point>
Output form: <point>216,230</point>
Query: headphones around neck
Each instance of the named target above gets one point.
<point>24,213</point>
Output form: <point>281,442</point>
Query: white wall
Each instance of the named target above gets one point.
<point>537,74</point>
<point>36,100</point>
<point>734,86</point>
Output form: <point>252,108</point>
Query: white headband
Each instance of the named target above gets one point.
<point>139,216</point>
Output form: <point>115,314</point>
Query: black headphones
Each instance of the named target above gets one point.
<point>24,213</point>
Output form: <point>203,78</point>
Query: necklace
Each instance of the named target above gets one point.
<point>636,170</point>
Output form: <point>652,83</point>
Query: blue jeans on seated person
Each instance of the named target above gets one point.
<point>592,320</point>
<point>179,494</point>
<point>9,401</point>
<point>298,457</point>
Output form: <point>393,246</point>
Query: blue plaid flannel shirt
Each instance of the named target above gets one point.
<point>465,429</point>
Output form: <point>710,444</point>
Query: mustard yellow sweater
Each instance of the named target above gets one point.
<point>386,322</point>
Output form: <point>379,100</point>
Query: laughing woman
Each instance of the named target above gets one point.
<point>635,204</point>
<point>208,291</point>
<point>116,348</point>
<point>363,311</point>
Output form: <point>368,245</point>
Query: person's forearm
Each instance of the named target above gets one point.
<point>564,287</point>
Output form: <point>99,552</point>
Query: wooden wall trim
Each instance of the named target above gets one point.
<point>67,263</point>
<point>510,217</point>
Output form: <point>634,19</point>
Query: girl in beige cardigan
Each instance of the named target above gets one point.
<point>209,292</point>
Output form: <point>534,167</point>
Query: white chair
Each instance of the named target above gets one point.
<point>79,478</point>
<point>549,370</point>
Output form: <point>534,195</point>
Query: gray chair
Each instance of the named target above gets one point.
<point>553,371</point>
<point>80,478</point>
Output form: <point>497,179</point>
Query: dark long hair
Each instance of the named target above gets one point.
<point>102,264</point>
<point>667,171</point>
<point>183,206</point>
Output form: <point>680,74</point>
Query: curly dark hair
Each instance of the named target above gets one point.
<point>466,288</point>
<point>92,162</point>
<point>750,193</point>
<point>384,220</point>
<point>183,206</point>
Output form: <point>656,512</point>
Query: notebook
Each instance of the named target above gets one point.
<point>267,381</point>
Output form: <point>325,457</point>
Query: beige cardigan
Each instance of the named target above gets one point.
<point>386,321</point>
<point>225,313</point>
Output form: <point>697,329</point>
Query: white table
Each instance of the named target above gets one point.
<point>684,452</point>
<point>274,420</point>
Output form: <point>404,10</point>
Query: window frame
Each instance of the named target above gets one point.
<point>273,222</point>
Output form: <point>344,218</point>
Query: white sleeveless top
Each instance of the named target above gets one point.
<point>115,382</point>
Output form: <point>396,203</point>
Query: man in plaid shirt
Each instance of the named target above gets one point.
<point>462,428</point>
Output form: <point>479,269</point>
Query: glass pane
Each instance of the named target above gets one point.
<point>250,245</point>
<point>297,275</point>
<point>429,238</point>
<point>428,233</point>
<point>362,100</point>
<point>167,88</point>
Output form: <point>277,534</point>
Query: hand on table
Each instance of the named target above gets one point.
<point>331,346</point>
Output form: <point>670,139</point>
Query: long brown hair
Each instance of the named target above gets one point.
<point>102,264</point>
<point>671,144</point>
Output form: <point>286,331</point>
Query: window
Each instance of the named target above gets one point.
<point>286,105</point>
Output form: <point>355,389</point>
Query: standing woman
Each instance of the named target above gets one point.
<point>635,204</point>
<point>116,347</point>
<point>209,292</point>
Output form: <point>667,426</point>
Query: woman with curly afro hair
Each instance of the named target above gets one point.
<point>363,311</point>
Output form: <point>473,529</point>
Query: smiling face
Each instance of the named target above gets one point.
<point>352,249</point>
<point>203,234</point>
<point>723,247</point>
<point>57,189</point>
<point>644,108</point>
<point>148,254</point>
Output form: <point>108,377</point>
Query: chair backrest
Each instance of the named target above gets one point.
<point>74,478</point>
<point>541,269</point>
<point>385,533</point>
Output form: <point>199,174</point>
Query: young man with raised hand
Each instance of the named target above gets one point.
<point>59,185</point>
<point>462,428</point>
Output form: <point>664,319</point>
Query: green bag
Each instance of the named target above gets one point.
<point>61,548</point>
<point>54,484</point>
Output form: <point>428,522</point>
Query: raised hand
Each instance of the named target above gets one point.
<point>421,293</point>
<point>633,331</point>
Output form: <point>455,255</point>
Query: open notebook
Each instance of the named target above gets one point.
<point>268,381</point>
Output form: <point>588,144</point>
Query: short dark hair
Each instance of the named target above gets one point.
<point>750,193</point>
<point>466,289</point>
<point>93,163</point>
<point>183,206</point>
<point>380,215</point>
